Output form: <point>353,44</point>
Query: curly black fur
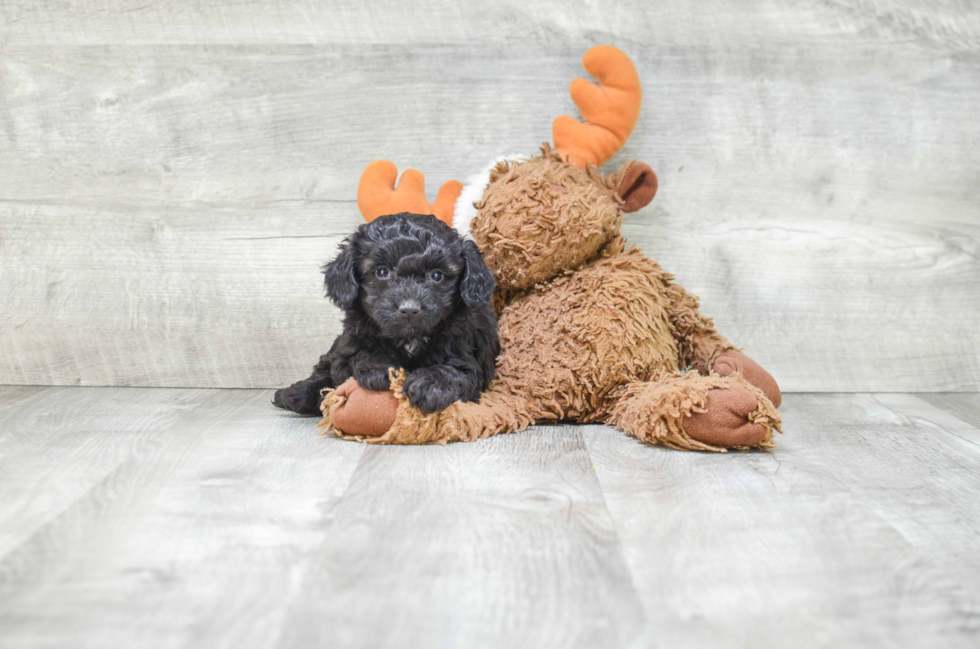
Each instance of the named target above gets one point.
<point>415,295</point>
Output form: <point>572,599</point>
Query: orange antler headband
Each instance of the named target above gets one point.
<point>377,194</point>
<point>610,110</point>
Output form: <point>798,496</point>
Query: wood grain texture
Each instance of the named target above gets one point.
<point>172,518</point>
<point>719,23</point>
<point>70,442</point>
<point>501,543</point>
<point>205,518</point>
<point>963,405</point>
<point>172,174</point>
<point>859,529</point>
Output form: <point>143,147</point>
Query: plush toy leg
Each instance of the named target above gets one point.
<point>702,348</point>
<point>732,361</point>
<point>695,412</point>
<point>351,412</point>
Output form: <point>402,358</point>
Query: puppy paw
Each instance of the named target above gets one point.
<point>374,379</point>
<point>428,393</point>
<point>299,398</point>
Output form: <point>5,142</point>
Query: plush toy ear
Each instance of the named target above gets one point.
<point>637,185</point>
<point>477,284</point>
<point>340,276</point>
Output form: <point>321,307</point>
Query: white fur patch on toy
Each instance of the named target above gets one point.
<point>473,189</point>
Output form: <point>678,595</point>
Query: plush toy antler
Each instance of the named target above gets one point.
<point>610,110</point>
<point>377,194</point>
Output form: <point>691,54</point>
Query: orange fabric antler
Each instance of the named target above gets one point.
<point>377,194</point>
<point>610,109</point>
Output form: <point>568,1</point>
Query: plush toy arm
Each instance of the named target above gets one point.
<point>352,412</point>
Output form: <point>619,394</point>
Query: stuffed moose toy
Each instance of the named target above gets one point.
<point>590,330</point>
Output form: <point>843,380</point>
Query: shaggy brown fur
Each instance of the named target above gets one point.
<point>589,330</point>
<point>541,217</point>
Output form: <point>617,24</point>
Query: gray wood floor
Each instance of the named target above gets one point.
<point>137,517</point>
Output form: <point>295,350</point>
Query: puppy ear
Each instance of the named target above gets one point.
<point>477,284</point>
<point>340,276</point>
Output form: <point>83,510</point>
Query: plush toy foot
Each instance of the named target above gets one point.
<point>726,422</point>
<point>731,361</point>
<point>361,412</point>
<point>695,412</point>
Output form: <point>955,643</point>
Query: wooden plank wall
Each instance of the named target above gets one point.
<point>172,173</point>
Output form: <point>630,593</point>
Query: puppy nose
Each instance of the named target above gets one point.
<point>409,307</point>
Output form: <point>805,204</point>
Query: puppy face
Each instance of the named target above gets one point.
<point>407,273</point>
<point>408,284</point>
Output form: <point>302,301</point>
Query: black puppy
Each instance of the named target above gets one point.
<point>415,295</point>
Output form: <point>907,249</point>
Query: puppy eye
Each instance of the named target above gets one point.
<point>382,273</point>
<point>436,276</point>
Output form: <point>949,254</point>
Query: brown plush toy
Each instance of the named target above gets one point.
<point>590,330</point>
